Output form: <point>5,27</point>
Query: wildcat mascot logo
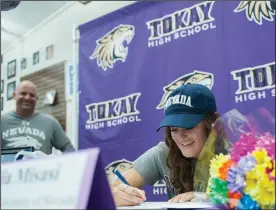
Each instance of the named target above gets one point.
<point>112,47</point>
<point>120,165</point>
<point>257,10</point>
<point>196,77</point>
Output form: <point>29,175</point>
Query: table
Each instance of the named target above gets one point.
<point>167,205</point>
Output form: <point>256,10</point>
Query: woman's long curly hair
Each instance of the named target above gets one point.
<point>181,168</point>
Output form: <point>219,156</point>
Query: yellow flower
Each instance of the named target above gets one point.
<point>260,187</point>
<point>251,179</point>
<point>266,196</point>
<point>263,160</point>
<point>216,163</point>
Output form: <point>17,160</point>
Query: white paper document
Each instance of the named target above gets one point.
<point>167,205</point>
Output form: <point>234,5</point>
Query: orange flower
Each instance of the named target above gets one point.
<point>233,198</point>
<point>223,170</point>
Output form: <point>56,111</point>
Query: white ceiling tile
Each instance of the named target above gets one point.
<point>24,17</point>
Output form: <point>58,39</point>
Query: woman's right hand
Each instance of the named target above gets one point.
<point>125,195</point>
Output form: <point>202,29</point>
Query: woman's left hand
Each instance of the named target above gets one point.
<point>189,196</point>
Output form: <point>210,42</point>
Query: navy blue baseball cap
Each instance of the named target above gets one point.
<point>187,105</point>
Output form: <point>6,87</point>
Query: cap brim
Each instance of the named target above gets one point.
<point>187,121</point>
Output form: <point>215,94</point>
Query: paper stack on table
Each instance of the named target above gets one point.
<point>167,205</point>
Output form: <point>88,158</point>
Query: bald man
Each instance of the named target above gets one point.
<point>27,127</point>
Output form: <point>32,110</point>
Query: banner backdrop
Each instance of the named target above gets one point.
<point>131,60</point>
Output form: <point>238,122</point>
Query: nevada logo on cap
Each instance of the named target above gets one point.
<point>179,99</point>
<point>187,105</point>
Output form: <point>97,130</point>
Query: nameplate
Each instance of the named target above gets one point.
<point>59,182</point>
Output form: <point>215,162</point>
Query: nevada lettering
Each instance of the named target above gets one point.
<point>182,19</point>
<point>23,130</point>
<point>113,109</point>
<point>179,99</point>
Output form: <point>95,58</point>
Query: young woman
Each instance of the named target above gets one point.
<point>183,159</point>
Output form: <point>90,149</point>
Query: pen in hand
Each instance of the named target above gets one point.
<point>121,177</point>
<point>133,195</point>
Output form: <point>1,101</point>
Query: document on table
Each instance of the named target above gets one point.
<point>167,205</point>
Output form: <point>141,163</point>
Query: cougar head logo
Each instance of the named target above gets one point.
<point>120,165</point>
<point>196,77</point>
<point>257,10</point>
<point>113,46</point>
